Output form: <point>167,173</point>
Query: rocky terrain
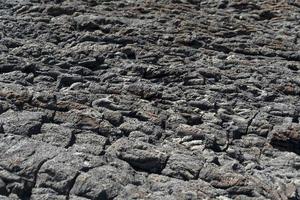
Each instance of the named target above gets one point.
<point>149,99</point>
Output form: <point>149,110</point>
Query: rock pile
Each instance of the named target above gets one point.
<point>145,99</point>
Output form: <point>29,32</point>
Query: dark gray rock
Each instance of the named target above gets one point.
<point>104,182</point>
<point>286,138</point>
<point>157,185</point>
<point>145,91</point>
<point>21,159</point>
<point>130,125</point>
<point>170,99</point>
<point>89,142</point>
<point>114,118</point>
<point>139,155</point>
<point>138,135</point>
<point>59,10</point>
<point>3,187</point>
<point>183,166</point>
<point>60,172</point>
<point>66,80</point>
<point>83,120</point>
<point>4,106</point>
<point>56,135</point>
<point>21,123</point>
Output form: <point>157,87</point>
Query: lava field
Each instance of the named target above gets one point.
<point>149,99</point>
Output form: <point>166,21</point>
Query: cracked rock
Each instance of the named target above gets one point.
<point>102,182</point>
<point>56,135</point>
<point>183,166</point>
<point>147,99</point>
<point>24,123</point>
<point>139,155</point>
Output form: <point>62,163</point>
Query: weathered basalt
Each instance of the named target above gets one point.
<point>147,99</point>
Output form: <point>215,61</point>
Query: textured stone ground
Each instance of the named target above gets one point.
<point>145,99</point>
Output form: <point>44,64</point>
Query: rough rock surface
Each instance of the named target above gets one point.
<point>149,99</point>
